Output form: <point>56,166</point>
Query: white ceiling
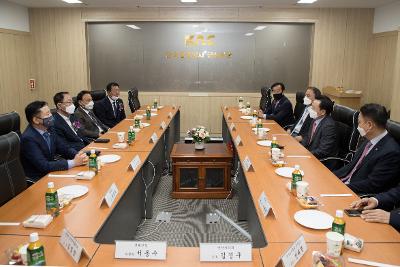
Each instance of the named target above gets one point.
<point>211,3</point>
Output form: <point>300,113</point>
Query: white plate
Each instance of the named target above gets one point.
<point>264,143</point>
<point>120,145</point>
<point>246,117</point>
<point>286,172</point>
<point>145,124</point>
<point>109,158</point>
<point>139,117</point>
<point>265,129</point>
<point>73,191</point>
<point>314,219</point>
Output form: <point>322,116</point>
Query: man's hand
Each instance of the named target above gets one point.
<point>379,216</point>
<point>364,203</point>
<point>80,159</point>
<point>260,113</point>
<point>298,138</point>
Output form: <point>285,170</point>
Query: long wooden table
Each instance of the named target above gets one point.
<point>84,218</point>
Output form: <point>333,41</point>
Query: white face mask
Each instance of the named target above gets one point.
<point>307,101</point>
<point>361,131</point>
<point>89,105</point>
<point>70,109</point>
<point>115,98</point>
<point>313,114</point>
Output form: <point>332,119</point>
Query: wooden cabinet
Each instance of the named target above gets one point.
<point>201,173</point>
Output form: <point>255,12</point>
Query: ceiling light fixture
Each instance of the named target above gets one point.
<point>306,1</point>
<point>133,27</point>
<point>188,1</point>
<point>72,1</point>
<point>260,28</point>
<point>249,34</point>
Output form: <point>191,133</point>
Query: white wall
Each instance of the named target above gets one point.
<point>13,16</point>
<point>387,18</point>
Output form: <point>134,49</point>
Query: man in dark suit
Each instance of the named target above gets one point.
<point>302,125</point>
<point>110,110</point>
<point>91,126</point>
<point>375,167</point>
<point>281,109</point>
<point>39,145</point>
<point>66,126</point>
<point>381,208</point>
<point>321,137</point>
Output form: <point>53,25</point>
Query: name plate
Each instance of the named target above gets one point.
<point>163,125</point>
<point>238,141</point>
<point>294,252</point>
<point>225,107</point>
<point>169,115</point>
<point>229,116</point>
<point>247,165</point>
<point>264,204</point>
<point>72,246</point>
<point>110,196</point>
<point>135,163</point>
<point>173,106</point>
<point>140,250</point>
<point>232,127</point>
<point>225,252</point>
<point>153,138</point>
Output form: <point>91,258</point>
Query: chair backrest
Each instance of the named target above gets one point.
<point>98,94</point>
<point>265,98</point>
<point>393,128</point>
<point>133,99</point>
<point>299,107</point>
<point>10,122</point>
<point>12,176</point>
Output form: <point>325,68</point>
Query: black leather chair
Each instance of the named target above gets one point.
<point>348,137</point>
<point>133,99</point>
<point>299,107</point>
<point>393,129</point>
<point>12,176</point>
<point>98,94</point>
<point>266,98</point>
<point>10,122</point>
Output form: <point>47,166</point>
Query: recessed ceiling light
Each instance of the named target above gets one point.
<point>195,26</point>
<point>133,27</point>
<point>306,1</point>
<point>188,1</point>
<point>260,28</point>
<point>249,34</point>
<point>72,1</point>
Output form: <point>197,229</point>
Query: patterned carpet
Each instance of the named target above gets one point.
<point>188,227</point>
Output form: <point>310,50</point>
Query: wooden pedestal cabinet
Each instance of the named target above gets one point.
<point>201,173</point>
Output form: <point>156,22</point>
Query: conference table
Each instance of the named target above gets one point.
<point>96,226</point>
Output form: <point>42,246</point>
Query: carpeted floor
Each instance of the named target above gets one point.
<point>188,227</point>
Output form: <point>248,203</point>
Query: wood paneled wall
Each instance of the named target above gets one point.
<point>395,106</point>
<point>16,68</point>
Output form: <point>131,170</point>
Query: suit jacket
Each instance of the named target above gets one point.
<point>379,170</point>
<point>282,113</point>
<point>104,111</point>
<point>387,201</point>
<point>66,134</point>
<point>323,143</point>
<point>88,127</point>
<point>306,124</point>
<point>36,157</point>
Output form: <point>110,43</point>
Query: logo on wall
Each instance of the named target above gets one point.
<point>198,40</point>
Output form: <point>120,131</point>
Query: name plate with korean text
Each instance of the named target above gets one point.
<point>163,125</point>
<point>294,252</point>
<point>72,246</point>
<point>238,141</point>
<point>153,138</point>
<point>264,204</point>
<point>225,252</point>
<point>135,163</point>
<point>232,127</point>
<point>247,165</point>
<point>143,250</point>
<point>170,115</point>
<point>110,196</point>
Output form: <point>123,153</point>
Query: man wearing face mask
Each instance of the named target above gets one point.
<point>320,139</point>
<point>91,126</point>
<point>40,145</point>
<point>66,126</point>
<point>281,109</point>
<point>375,167</point>
<point>302,125</point>
<point>110,110</point>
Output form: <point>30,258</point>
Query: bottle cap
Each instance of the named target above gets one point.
<point>131,128</point>
<point>33,237</point>
<point>339,213</point>
<point>92,151</point>
<point>274,138</point>
<point>50,185</point>
<point>297,167</point>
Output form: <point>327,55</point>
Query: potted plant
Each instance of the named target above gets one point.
<point>200,135</point>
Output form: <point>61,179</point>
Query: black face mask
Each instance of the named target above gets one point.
<point>277,96</point>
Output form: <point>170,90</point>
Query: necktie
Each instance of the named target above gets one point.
<point>314,127</point>
<point>46,136</point>
<point>95,121</point>
<point>346,179</point>
<point>115,108</point>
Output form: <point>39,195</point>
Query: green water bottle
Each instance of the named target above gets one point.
<point>35,251</point>
<point>52,204</point>
<point>339,224</point>
<point>148,113</point>
<point>93,161</point>
<point>131,135</point>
